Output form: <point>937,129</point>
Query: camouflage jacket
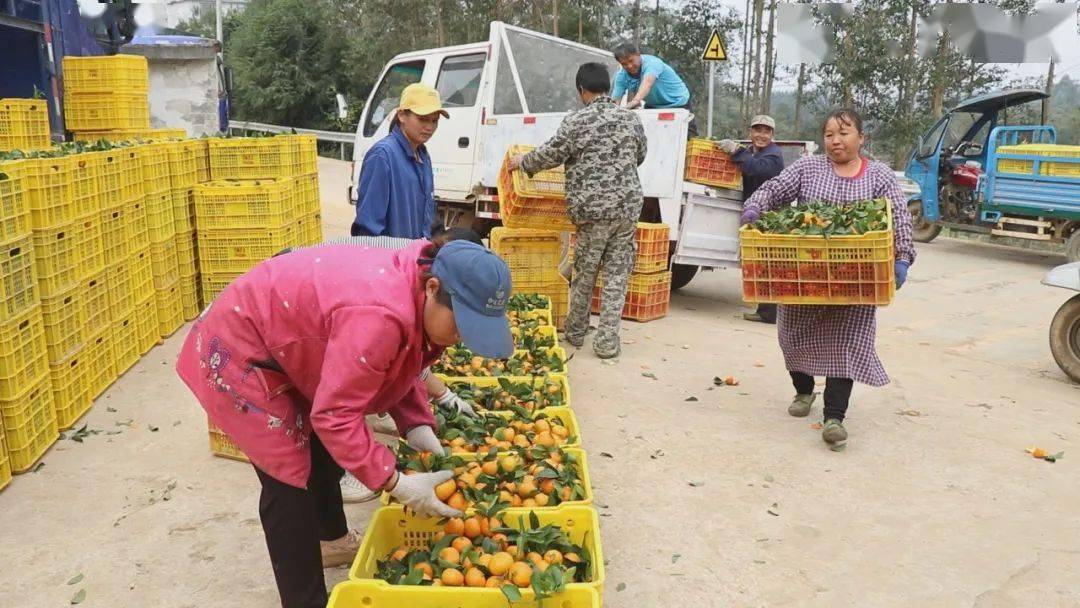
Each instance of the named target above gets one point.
<point>601,146</point>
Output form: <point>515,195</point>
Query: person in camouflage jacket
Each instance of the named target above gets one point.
<point>601,146</point>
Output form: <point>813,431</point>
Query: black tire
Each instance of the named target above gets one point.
<point>682,274</point>
<point>1072,246</point>
<point>1065,338</point>
<point>922,230</point>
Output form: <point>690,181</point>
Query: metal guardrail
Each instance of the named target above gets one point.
<point>331,136</point>
<point>906,185</point>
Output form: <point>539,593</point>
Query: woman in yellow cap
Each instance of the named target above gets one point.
<point>396,195</point>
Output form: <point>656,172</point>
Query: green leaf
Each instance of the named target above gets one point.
<point>675,558</point>
<point>1054,457</point>
<point>534,521</point>
<point>620,587</point>
<point>77,578</point>
<point>413,578</point>
<point>79,597</point>
<point>512,593</point>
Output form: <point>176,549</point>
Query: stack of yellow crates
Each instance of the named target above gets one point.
<point>26,399</point>
<point>105,93</point>
<point>131,135</point>
<point>533,257</point>
<point>309,203</point>
<point>24,124</point>
<point>190,166</point>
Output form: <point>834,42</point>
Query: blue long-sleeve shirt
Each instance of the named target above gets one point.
<point>758,166</point>
<point>396,195</point>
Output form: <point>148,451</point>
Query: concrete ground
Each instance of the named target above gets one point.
<point>719,500</point>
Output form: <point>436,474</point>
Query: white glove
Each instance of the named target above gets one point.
<point>728,146</point>
<point>422,439</point>
<point>417,491</point>
<point>450,399</point>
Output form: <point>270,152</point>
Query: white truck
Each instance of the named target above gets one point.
<point>515,88</point>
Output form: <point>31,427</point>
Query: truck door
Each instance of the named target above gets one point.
<point>922,168</point>
<point>453,147</point>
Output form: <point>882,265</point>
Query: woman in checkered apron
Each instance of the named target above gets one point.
<point>836,342</point>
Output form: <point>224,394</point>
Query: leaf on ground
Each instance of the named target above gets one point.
<point>912,413</point>
<point>816,426</point>
<point>77,578</point>
<point>110,409</point>
<point>606,455</point>
<point>656,454</point>
<point>769,479</point>
<point>717,381</point>
<point>153,429</point>
<point>620,587</point>
<point>37,467</point>
<point>691,398</point>
<point>79,597</point>
<point>649,375</point>
<point>696,484</point>
<point>675,558</point>
<point>774,510</point>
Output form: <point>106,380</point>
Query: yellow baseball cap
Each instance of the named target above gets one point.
<point>421,99</point>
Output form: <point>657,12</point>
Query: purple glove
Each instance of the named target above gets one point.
<point>749,216</point>
<point>901,268</point>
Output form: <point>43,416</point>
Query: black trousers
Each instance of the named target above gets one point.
<point>767,312</point>
<point>837,393</point>
<point>294,520</point>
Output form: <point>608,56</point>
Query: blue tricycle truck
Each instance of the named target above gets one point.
<point>976,173</point>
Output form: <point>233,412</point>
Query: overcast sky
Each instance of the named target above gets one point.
<point>1070,66</point>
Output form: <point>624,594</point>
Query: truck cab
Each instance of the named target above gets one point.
<point>955,164</point>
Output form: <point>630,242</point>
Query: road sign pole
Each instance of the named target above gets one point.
<point>712,88</point>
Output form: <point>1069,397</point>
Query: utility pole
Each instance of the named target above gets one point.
<point>220,33</point>
<point>555,18</point>
<point>1049,89</point>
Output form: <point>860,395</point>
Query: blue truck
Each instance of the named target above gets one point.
<point>968,183</point>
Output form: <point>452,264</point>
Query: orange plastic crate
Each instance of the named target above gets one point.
<point>652,242</point>
<point>536,207</point>
<point>18,278</point>
<point>14,205</point>
<point>838,270</point>
<point>707,164</point>
<point>648,296</point>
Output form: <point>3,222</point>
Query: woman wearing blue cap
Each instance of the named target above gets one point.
<point>291,357</point>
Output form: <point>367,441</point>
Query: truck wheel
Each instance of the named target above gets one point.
<point>681,275</point>
<point>1065,338</point>
<point>922,230</point>
<point>1072,246</point>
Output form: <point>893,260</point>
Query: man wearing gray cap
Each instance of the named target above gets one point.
<point>759,162</point>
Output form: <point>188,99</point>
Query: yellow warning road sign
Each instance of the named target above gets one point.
<point>714,51</point>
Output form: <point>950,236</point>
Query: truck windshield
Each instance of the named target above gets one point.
<point>929,143</point>
<point>546,69</point>
<point>960,124</point>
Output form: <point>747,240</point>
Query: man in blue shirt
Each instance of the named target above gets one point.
<point>396,194</point>
<point>759,162</point>
<point>650,82</point>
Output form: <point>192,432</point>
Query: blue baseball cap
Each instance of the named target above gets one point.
<point>478,282</point>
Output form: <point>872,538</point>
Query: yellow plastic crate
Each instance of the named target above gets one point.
<point>105,74</point>
<point>85,170</point>
<point>213,284</point>
<point>137,224</point>
<point>311,229</point>
<point>95,298</point>
<point>110,166</point>
<point>24,124</point>
<point>652,242</point>
<point>392,527</point>
<point>538,206</point>
<point>71,393</point>
<point>239,250</point>
<point>307,153</point>
<point>130,282</point>
<point>18,277</point>
<point>165,264</point>
<point>183,209</point>
<point>202,160</point>
<point>65,323</point>
<point>707,164</point>
<point>556,351</point>
<point>170,309</point>
<point>47,188</point>
<point>126,342</point>
<point>183,163</point>
<point>228,204</point>
<point>534,381</point>
<point>187,261</point>
<point>131,135</point>
<point>14,205</point>
<point>159,216</point>
<point>29,423</point>
<point>114,242</point>
<point>91,243</point>
<point>838,270</point>
<point>222,445</point>
<point>58,257</point>
<point>252,158</point>
<point>563,413</point>
<point>147,334</point>
<point>379,594</point>
<point>189,296</point>
<point>104,111</point>
<point>5,462</point>
<point>1050,168</point>
<point>154,166</point>
<point>556,288</point>
<point>23,354</point>
<point>308,200</point>
<point>100,369</point>
<point>532,255</point>
<point>132,187</point>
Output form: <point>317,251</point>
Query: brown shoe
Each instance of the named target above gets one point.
<point>340,551</point>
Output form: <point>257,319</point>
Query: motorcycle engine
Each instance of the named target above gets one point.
<point>960,203</point>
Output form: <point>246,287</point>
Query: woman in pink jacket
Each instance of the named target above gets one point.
<point>290,358</point>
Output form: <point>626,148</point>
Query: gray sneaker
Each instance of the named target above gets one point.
<point>834,434</point>
<point>800,405</point>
